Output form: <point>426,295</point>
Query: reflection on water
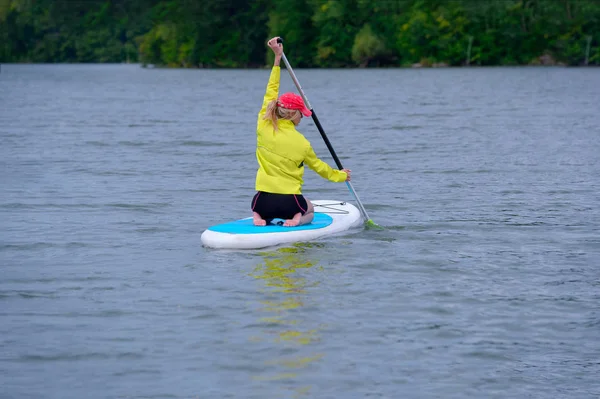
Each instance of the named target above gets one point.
<point>288,290</point>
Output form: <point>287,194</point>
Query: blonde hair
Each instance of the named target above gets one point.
<point>275,112</point>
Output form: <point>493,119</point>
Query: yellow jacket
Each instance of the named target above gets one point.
<point>282,154</point>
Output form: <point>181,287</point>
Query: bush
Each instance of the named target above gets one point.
<point>367,46</point>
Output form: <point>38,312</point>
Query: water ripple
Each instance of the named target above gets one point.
<point>483,282</point>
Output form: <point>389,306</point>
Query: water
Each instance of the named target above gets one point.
<point>485,281</point>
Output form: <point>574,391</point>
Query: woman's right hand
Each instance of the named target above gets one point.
<point>276,47</point>
<point>348,174</point>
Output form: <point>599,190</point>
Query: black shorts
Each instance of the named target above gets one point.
<point>283,206</point>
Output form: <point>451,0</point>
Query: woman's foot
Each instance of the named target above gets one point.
<point>258,221</point>
<point>293,222</point>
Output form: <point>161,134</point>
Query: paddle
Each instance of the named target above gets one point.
<point>362,209</point>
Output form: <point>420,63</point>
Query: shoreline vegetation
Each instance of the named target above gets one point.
<point>317,33</point>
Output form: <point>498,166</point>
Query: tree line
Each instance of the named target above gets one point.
<point>317,33</point>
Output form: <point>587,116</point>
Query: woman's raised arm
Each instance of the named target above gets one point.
<point>273,85</point>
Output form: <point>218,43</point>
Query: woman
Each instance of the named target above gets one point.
<point>281,153</point>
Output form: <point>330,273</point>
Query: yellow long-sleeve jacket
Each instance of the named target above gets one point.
<point>282,154</point>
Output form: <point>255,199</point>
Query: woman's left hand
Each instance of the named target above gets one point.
<point>276,47</point>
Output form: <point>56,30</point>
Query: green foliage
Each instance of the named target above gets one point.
<point>317,33</point>
<point>367,46</point>
<point>292,20</point>
<point>337,22</point>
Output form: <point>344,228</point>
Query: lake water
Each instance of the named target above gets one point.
<point>484,282</point>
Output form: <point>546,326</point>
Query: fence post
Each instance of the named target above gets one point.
<point>469,50</point>
<point>587,50</point>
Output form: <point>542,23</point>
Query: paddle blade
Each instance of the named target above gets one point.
<point>370,224</point>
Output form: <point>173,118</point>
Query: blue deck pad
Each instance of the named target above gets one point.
<point>246,226</point>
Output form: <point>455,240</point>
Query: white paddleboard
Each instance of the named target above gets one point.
<point>331,217</point>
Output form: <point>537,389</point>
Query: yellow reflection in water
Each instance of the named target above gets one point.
<point>280,271</point>
<point>296,363</point>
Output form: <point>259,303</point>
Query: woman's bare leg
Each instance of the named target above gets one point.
<point>309,215</point>
<point>258,220</point>
<point>300,219</point>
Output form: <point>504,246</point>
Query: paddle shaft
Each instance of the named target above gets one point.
<point>325,138</point>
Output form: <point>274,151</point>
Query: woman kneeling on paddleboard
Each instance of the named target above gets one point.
<point>282,152</point>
